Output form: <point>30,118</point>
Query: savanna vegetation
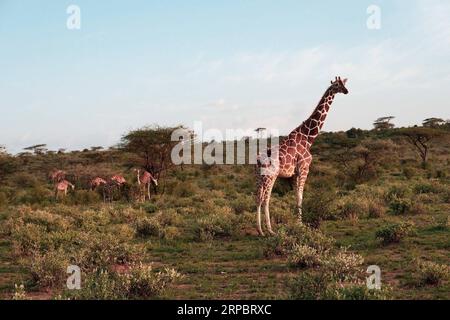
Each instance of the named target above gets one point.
<point>379,197</point>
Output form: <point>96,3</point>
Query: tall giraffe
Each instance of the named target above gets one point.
<point>63,186</point>
<point>292,158</point>
<point>97,182</point>
<point>144,182</point>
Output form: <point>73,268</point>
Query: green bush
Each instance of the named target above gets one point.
<point>358,291</point>
<point>432,273</point>
<point>322,286</point>
<point>343,265</point>
<point>303,256</point>
<point>216,225</point>
<point>289,236</point>
<point>49,269</point>
<point>150,207</point>
<point>397,192</point>
<point>352,208</point>
<point>148,227</point>
<point>309,286</point>
<point>395,232</point>
<point>140,282</point>
<point>144,283</point>
<point>399,206</point>
<point>421,188</point>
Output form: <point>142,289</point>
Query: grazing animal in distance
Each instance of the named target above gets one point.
<point>63,186</point>
<point>57,176</point>
<point>97,182</point>
<point>116,181</point>
<point>292,158</point>
<point>144,182</point>
<point>119,180</point>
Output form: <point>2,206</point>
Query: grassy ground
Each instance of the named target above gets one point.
<point>203,225</point>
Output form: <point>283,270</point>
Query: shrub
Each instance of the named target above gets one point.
<point>140,282</point>
<point>100,285</point>
<point>352,208</point>
<point>144,283</point>
<point>304,256</point>
<point>344,265</point>
<point>49,269</point>
<point>395,232</point>
<point>397,192</point>
<point>185,190</point>
<point>409,172</point>
<point>421,188</point>
<point>376,209</point>
<point>399,206</point>
<point>83,197</point>
<point>358,291</point>
<point>216,225</point>
<point>432,273</point>
<point>317,207</point>
<point>417,208</point>
<point>19,292</point>
<point>309,286</point>
<point>322,286</point>
<point>287,237</point>
<point>148,227</point>
<point>150,207</point>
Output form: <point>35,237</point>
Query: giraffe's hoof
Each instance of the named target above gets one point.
<point>272,233</point>
<point>261,233</point>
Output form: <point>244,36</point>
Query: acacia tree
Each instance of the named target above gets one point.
<point>153,144</point>
<point>433,122</point>
<point>384,123</point>
<point>421,139</point>
<point>38,149</point>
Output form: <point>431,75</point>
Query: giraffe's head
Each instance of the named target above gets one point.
<point>338,85</point>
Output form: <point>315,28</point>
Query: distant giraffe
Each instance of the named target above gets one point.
<point>116,181</point>
<point>57,176</point>
<point>292,157</point>
<point>63,186</point>
<point>97,182</point>
<point>144,182</point>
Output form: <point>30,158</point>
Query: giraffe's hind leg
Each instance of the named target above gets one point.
<point>265,185</point>
<point>270,185</point>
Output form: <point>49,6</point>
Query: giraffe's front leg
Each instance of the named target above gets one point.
<point>258,220</point>
<point>267,214</point>
<point>300,181</point>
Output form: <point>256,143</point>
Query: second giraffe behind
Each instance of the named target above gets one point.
<point>292,158</point>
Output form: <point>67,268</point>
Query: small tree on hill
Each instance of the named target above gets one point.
<point>433,122</point>
<point>38,149</point>
<point>153,145</point>
<point>384,123</point>
<point>421,139</point>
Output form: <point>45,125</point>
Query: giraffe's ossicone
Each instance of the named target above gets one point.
<point>292,157</point>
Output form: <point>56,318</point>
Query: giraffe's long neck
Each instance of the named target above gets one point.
<point>311,127</point>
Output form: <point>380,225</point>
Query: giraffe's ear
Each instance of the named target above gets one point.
<point>344,81</point>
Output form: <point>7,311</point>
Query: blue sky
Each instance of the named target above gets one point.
<point>230,64</point>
